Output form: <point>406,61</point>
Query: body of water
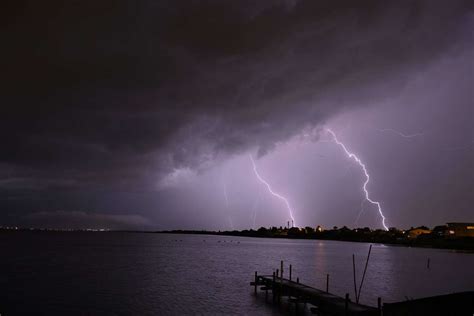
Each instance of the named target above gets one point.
<point>150,274</point>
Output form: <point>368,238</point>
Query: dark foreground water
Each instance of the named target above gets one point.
<point>144,274</point>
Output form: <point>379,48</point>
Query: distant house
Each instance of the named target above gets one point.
<point>460,229</point>
<point>440,231</point>
<point>415,232</point>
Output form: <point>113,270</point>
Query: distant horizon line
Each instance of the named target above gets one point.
<point>103,229</point>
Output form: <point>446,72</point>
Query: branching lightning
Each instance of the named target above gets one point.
<point>226,199</point>
<point>400,133</point>
<point>360,212</point>
<point>290,211</point>
<point>364,169</point>
<point>255,206</point>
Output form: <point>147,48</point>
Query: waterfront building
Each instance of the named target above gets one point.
<point>415,232</point>
<point>460,229</point>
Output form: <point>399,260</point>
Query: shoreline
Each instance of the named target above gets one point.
<point>461,244</point>
<point>465,244</point>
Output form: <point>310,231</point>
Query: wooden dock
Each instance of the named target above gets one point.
<point>323,303</point>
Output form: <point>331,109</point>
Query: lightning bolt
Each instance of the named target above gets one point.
<point>255,206</point>
<point>400,133</point>
<point>367,177</point>
<point>360,212</point>
<point>226,198</point>
<point>290,211</point>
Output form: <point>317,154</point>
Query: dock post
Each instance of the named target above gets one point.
<point>298,280</point>
<point>280,292</point>
<point>354,276</point>
<point>346,304</point>
<point>256,279</point>
<point>266,291</point>
<point>273,288</point>
<point>290,272</point>
<point>296,307</point>
<point>327,283</point>
<point>379,305</point>
<point>279,286</point>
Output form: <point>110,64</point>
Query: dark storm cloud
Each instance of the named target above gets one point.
<point>120,92</point>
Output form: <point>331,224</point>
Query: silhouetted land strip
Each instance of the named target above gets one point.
<point>392,237</point>
<point>346,234</point>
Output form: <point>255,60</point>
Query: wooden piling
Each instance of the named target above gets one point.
<point>256,282</point>
<point>346,304</point>
<point>276,287</point>
<point>363,275</point>
<point>327,283</point>
<point>280,290</point>
<point>290,272</point>
<point>273,288</point>
<point>266,292</point>
<point>354,275</point>
<point>379,305</point>
<point>298,280</point>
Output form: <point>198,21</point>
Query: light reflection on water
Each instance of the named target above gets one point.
<point>125,273</point>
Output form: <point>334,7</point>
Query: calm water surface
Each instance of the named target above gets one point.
<point>144,274</point>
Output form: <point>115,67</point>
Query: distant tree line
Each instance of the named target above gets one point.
<point>365,234</point>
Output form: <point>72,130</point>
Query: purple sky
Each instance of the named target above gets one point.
<point>143,114</point>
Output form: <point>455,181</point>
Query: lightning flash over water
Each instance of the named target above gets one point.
<point>290,211</point>
<point>367,177</point>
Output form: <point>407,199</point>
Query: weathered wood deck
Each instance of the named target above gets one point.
<point>324,303</point>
